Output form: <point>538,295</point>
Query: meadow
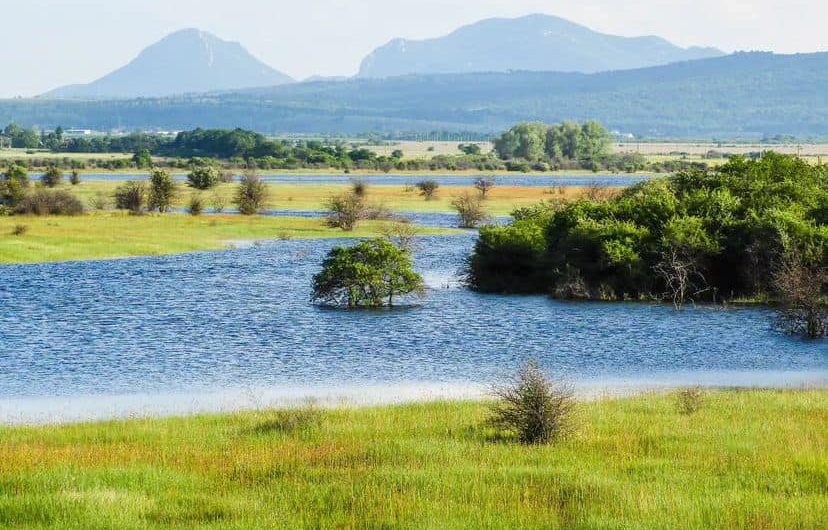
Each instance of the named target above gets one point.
<point>100,235</point>
<point>746,460</point>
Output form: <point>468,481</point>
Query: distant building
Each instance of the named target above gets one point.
<point>77,133</point>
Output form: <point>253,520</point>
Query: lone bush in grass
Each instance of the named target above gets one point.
<point>484,185</point>
<point>345,211</point>
<point>74,178</point>
<point>131,196</point>
<point>359,187</point>
<point>49,202</point>
<point>161,191</point>
<point>690,400</point>
<point>14,184</point>
<point>469,210</point>
<point>428,188</point>
<point>52,177</point>
<point>203,177</point>
<point>196,204</point>
<point>251,194</point>
<point>369,274</point>
<point>532,408</point>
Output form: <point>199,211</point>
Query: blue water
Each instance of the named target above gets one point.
<point>512,179</point>
<point>204,322</point>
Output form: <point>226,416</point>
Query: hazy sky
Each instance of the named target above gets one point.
<point>47,43</point>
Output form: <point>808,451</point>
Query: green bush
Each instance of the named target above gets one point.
<point>251,194</point>
<point>131,196</point>
<point>52,177</point>
<point>49,202</point>
<point>702,234</point>
<point>162,191</point>
<point>203,177</point>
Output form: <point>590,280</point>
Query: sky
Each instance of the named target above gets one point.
<point>49,43</point>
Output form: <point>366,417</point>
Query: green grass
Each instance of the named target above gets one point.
<point>746,460</point>
<point>115,234</point>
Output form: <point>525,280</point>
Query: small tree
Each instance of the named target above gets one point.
<point>359,187</point>
<point>533,408</point>
<point>369,274</point>
<point>203,177</point>
<point>402,233</point>
<point>13,185</point>
<point>142,159</point>
<point>218,202</point>
<point>428,188</point>
<point>469,209</point>
<point>74,178</point>
<point>196,204</point>
<point>251,194</point>
<point>162,191</point>
<point>131,196</point>
<point>799,285</point>
<point>52,177</point>
<point>484,186</point>
<point>345,211</point>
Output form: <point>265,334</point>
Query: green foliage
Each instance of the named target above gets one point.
<point>203,177</point>
<point>345,210</point>
<point>74,177</point>
<point>162,191</point>
<point>131,196</point>
<point>251,194</point>
<point>142,159</point>
<point>428,188</point>
<point>52,177</point>
<point>14,184</point>
<point>369,274</point>
<point>587,144</point>
<point>708,233</point>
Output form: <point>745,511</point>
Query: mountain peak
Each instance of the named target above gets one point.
<point>535,42</point>
<point>186,61</point>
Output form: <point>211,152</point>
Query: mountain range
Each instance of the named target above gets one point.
<point>187,61</point>
<point>192,61</point>
<point>744,95</point>
<point>532,43</point>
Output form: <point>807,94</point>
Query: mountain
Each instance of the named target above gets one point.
<point>187,61</point>
<point>533,43</point>
<point>744,95</point>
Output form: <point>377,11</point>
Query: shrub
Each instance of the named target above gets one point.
<point>49,202</point>
<point>203,177</point>
<point>161,191</point>
<point>131,196</point>
<point>14,184</point>
<point>484,185</point>
<point>100,201</point>
<point>217,202</point>
<point>689,400</point>
<point>369,274</point>
<point>532,408</point>
<point>359,187</point>
<point>251,194</point>
<point>345,211</point>
<point>19,230</point>
<point>469,209</point>
<point>52,177</point>
<point>196,204</point>
<point>428,188</point>
<point>799,286</point>
<point>74,178</point>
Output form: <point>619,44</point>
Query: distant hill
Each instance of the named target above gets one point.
<point>739,95</point>
<point>187,61</point>
<point>533,43</point>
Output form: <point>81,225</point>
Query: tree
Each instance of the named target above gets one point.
<point>13,185</point>
<point>251,194</point>
<point>345,210</point>
<point>369,274</point>
<point>428,188</point>
<point>162,191</point>
<point>131,196</point>
<point>74,178</point>
<point>203,177</point>
<point>142,159</point>
<point>593,142</point>
<point>469,149</point>
<point>52,177</point>
<point>469,209</point>
<point>484,185</point>
<point>525,141</point>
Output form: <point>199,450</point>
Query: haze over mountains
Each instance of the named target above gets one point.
<point>533,43</point>
<point>187,61</point>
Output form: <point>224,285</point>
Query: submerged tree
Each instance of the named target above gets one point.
<point>369,274</point>
<point>799,285</point>
<point>469,209</point>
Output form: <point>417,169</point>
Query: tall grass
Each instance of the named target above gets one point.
<point>751,459</point>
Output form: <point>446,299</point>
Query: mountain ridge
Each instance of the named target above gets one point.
<point>529,43</point>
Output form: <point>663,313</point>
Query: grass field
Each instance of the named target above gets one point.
<point>115,234</point>
<point>502,199</point>
<point>746,460</point>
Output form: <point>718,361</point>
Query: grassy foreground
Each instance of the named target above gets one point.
<point>747,459</point>
<point>116,234</point>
